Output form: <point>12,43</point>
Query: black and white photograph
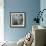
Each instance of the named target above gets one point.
<point>17,19</point>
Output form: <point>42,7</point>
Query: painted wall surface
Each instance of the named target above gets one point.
<point>43,6</point>
<point>28,6</point>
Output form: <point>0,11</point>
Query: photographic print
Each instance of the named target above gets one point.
<point>17,19</point>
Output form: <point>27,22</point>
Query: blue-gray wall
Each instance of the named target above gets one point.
<point>28,6</point>
<point>43,6</point>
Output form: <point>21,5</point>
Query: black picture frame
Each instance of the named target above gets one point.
<point>17,19</point>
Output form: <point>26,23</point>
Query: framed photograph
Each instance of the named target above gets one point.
<point>17,19</point>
